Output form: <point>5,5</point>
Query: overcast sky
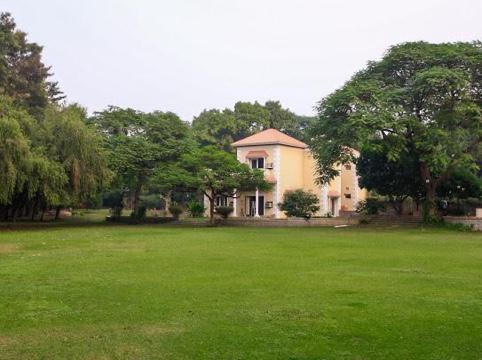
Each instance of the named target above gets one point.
<point>188,55</point>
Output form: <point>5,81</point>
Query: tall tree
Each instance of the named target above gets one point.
<point>138,143</point>
<point>23,75</point>
<point>78,148</point>
<point>14,151</point>
<point>215,127</point>
<point>420,96</point>
<point>250,118</point>
<point>223,127</point>
<point>29,179</point>
<point>211,171</point>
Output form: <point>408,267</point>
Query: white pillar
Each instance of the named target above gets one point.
<point>234,204</point>
<point>355,188</point>
<point>256,211</point>
<point>324,199</point>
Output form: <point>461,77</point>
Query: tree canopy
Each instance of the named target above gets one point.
<point>223,127</point>
<point>421,98</point>
<point>23,75</point>
<point>139,143</point>
<point>212,171</point>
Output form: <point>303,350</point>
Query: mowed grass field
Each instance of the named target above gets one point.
<point>159,292</point>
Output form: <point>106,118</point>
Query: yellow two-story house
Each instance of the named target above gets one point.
<point>289,165</point>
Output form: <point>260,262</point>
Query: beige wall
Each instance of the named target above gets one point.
<point>294,168</point>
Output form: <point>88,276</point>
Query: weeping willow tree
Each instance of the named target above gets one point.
<point>49,156</point>
<point>53,163</point>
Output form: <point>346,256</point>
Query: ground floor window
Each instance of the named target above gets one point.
<point>251,205</point>
<point>221,200</point>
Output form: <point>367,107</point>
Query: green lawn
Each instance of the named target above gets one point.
<point>149,292</point>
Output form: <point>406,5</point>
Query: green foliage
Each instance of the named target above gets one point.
<point>23,76</point>
<point>176,210</point>
<point>139,143</point>
<point>210,171</point>
<point>14,153</point>
<point>371,206</point>
<point>421,98</point>
<point>395,179</point>
<point>224,211</point>
<point>299,203</point>
<point>79,148</point>
<point>113,198</point>
<point>223,127</point>
<point>461,184</point>
<point>151,201</point>
<point>49,157</point>
<point>215,127</point>
<point>196,209</point>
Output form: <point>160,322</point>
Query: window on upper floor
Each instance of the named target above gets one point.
<point>347,196</point>
<point>257,163</point>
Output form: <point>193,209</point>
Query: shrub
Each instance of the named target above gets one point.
<point>151,201</point>
<point>299,203</point>
<point>224,211</point>
<point>196,209</point>
<point>176,211</point>
<point>371,206</point>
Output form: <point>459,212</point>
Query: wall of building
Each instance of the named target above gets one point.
<point>295,168</point>
<point>273,157</point>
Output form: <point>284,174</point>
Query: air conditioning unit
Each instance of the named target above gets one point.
<point>269,165</point>
<point>269,204</point>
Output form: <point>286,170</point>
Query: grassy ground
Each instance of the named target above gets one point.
<point>148,292</point>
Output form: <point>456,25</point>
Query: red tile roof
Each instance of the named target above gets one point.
<point>270,137</point>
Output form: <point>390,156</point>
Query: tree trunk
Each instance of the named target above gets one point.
<point>429,209</point>
<point>14,214</point>
<point>135,202</point>
<point>57,212</point>
<point>33,209</point>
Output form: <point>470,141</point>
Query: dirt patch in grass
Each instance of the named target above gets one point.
<point>8,248</point>
<point>159,329</point>
<point>5,341</point>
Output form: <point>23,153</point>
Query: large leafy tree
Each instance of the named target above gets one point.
<point>14,151</point>
<point>30,180</point>
<point>223,127</point>
<point>139,143</point>
<point>215,127</point>
<point>78,148</point>
<point>211,171</point>
<point>23,75</point>
<point>423,98</point>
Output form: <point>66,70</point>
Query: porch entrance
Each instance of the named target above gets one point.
<point>334,206</point>
<point>251,205</point>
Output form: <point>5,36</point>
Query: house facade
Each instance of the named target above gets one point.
<point>289,165</point>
